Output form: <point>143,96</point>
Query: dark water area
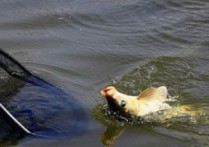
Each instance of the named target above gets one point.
<point>83,45</point>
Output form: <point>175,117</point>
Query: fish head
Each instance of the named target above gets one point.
<point>115,101</point>
<point>109,93</point>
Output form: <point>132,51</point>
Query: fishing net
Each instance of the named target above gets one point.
<point>41,107</point>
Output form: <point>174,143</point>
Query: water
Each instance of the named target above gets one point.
<point>83,45</point>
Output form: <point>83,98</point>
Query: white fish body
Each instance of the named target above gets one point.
<point>149,101</point>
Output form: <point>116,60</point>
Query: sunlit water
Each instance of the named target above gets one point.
<point>83,45</point>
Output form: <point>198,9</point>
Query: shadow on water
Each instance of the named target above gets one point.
<point>186,92</point>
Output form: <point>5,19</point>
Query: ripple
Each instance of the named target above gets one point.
<point>82,44</point>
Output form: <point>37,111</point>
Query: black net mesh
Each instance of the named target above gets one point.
<point>12,67</point>
<point>41,107</point>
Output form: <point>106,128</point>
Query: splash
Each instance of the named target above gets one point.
<point>181,115</point>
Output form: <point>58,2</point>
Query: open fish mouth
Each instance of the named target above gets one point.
<point>112,103</point>
<point>115,107</point>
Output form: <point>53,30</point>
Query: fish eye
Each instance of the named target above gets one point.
<point>123,103</point>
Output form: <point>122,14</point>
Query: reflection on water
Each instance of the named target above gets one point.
<point>176,119</point>
<point>111,134</point>
<point>83,45</point>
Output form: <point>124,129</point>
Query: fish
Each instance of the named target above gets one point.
<point>148,101</point>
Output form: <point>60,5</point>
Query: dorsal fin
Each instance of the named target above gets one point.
<point>147,93</point>
<point>162,93</point>
<point>154,93</point>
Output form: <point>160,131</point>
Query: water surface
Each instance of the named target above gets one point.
<point>83,45</point>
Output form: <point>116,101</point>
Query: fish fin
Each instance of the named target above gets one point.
<point>154,93</point>
<point>147,93</point>
<point>162,93</point>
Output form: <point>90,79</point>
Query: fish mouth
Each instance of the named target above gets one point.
<point>112,103</point>
<point>103,93</point>
<point>115,107</point>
